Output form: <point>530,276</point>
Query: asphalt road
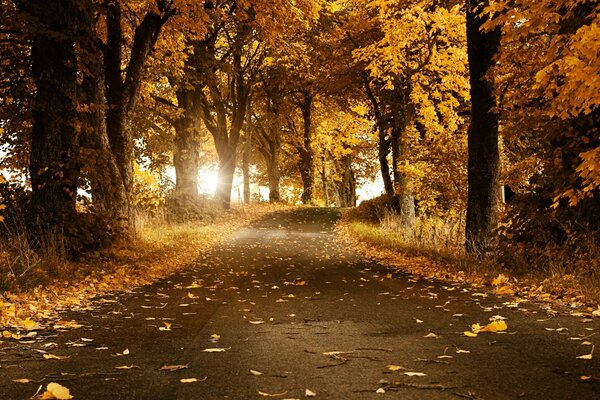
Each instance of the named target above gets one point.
<point>289,311</point>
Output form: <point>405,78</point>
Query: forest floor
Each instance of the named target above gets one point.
<point>284,308</point>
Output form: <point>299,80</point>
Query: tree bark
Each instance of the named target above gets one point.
<point>186,158</point>
<point>306,164</point>
<point>383,142</point>
<point>324,180</point>
<point>227,158</point>
<point>246,166</point>
<point>484,161</point>
<point>54,167</point>
<point>273,170</point>
<point>121,94</point>
<point>110,200</point>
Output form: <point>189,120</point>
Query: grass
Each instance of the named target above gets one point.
<point>433,247</point>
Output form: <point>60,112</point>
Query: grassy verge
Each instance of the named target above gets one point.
<point>424,253</point>
<point>161,250</point>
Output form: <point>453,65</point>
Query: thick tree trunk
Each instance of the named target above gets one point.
<point>121,94</point>
<point>306,153</point>
<point>54,168</point>
<point>110,199</point>
<point>227,158</point>
<point>186,157</point>
<point>484,161</point>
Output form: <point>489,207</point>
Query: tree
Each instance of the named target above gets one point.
<point>484,159</point>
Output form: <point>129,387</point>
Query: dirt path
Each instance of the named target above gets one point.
<point>284,299</point>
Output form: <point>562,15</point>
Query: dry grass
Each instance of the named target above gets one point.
<point>434,248</point>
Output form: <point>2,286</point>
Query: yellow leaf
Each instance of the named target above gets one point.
<point>188,380</point>
<point>53,357</point>
<point>394,368</point>
<point>504,290</point>
<point>500,279</point>
<point>54,391</point>
<point>470,334</point>
<point>494,326</point>
<point>29,324</point>
<point>24,380</point>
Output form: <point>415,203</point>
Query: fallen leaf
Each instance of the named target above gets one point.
<point>126,367</point>
<point>431,335</point>
<point>494,326</point>
<point>380,391</point>
<point>54,391</point>
<point>188,380</point>
<point>414,374</point>
<point>394,368</point>
<point>53,357</point>
<point>309,393</point>
<point>216,350</point>
<point>171,368</point>
<point>255,373</point>
<point>167,326</point>
<point>585,377</point>
<point>23,380</point>
<point>265,394</point>
<point>470,334</point>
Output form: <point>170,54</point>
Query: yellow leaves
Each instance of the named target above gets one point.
<point>55,391</point>
<point>502,285</point>
<point>494,327</point>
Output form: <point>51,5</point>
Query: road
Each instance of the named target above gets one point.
<point>288,311</point>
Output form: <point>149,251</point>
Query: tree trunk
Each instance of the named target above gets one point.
<point>227,158</point>
<point>484,161</point>
<point>274,172</point>
<point>246,167</point>
<point>324,180</point>
<point>383,150</point>
<point>186,157</point>
<point>110,200</point>
<point>121,94</point>
<point>54,168</point>
<point>306,153</point>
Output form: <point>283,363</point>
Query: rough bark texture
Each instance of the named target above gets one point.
<point>121,94</point>
<point>186,155</point>
<point>306,163</point>
<point>110,199</point>
<point>346,187</point>
<point>484,160</point>
<point>54,169</point>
